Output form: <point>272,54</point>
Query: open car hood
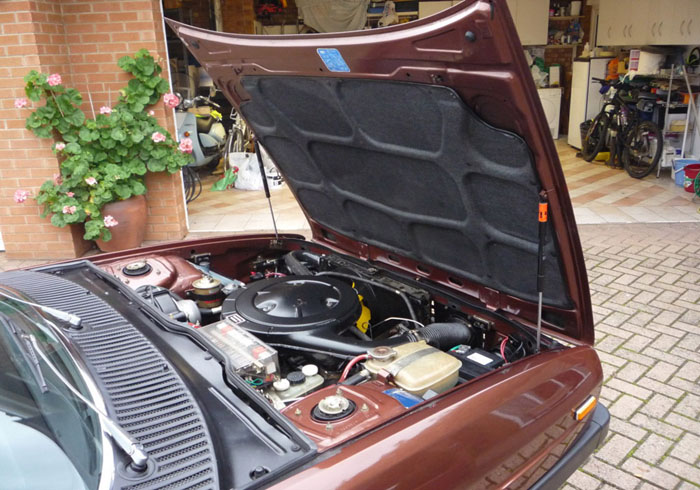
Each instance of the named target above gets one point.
<point>423,146</point>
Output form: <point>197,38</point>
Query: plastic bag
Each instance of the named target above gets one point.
<point>389,16</point>
<point>249,171</point>
<point>227,180</point>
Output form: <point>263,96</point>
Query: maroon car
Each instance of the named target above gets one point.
<point>435,332</point>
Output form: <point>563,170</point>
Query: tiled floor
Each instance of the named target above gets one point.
<point>599,194</point>
<point>604,195</point>
<point>236,210</point>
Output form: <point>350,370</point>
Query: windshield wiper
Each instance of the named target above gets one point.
<point>74,320</point>
<point>28,350</point>
<point>134,449</point>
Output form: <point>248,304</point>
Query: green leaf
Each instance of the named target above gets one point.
<point>118,134</point>
<point>137,137</point>
<point>126,63</point>
<point>74,96</point>
<point>43,132</point>
<point>58,220</point>
<point>47,111</point>
<point>163,86</point>
<point>64,103</point>
<point>72,148</point>
<point>145,65</point>
<point>136,167</point>
<point>93,229</point>
<point>123,191</point>
<point>138,188</point>
<point>76,118</point>
<point>86,135</point>
<point>156,165</point>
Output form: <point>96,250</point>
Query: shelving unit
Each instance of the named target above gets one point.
<point>668,105</point>
<point>561,46</point>
<point>564,17</point>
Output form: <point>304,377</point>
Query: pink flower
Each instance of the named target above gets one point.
<point>171,100</point>
<point>54,79</point>
<point>105,110</point>
<point>70,194</point>
<point>185,145</point>
<point>69,209</point>
<point>21,196</point>
<point>158,137</point>
<point>57,179</point>
<point>60,146</point>
<point>110,221</point>
<point>151,113</point>
<point>91,181</point>
<point>20,103</point>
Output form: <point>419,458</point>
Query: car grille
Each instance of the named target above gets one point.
<point>145,394</point>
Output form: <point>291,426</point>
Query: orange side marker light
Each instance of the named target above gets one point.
<point>585,408</point>
<point>543,212</point>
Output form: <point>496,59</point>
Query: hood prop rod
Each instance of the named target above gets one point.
<point>258,154</point>
<point>542,218</point>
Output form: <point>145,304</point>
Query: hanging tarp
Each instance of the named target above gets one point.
<point>334,15</point>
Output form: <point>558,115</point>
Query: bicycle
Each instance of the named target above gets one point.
<point>633,142</point>
<point>239,137</point>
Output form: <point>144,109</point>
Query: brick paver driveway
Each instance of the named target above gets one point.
<point>645,286</point>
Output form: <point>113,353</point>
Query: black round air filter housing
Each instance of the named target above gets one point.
<point>294,305</point>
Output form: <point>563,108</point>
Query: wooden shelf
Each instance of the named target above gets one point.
<point>565,17</point>
<point>561,46</point>
<point>411,13</point>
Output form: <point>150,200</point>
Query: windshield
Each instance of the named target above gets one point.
<point>48,437</point>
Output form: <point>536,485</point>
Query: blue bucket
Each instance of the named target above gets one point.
<point>678,166</point>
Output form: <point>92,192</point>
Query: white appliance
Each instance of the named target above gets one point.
<point>586,99</point>
<point>551,103</point>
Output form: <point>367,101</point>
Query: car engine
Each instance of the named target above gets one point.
<point>334,344</point>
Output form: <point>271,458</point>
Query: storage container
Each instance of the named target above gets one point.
<point>679,165</point>
<point>418,367</point>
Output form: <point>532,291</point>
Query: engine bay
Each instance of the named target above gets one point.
<point>335,344</point>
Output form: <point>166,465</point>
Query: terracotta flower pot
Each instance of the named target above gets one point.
<point>131,215</point>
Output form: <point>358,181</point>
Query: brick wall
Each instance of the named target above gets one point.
<point>81,40</point>
<point>238,16</point>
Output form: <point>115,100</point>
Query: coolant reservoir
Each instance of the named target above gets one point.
<point>417,367</point>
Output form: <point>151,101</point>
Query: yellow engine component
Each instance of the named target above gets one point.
<point>366,315</point>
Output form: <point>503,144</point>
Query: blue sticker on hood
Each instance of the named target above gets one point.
<point>333,60</point>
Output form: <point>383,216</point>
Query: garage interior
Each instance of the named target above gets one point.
<point>567,43</point>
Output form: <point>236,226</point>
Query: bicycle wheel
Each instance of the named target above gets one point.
<point>642,149</point>
<point>595,137</point>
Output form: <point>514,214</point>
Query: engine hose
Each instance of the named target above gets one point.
<point>403,296</point>
<point>315,259</point>
<point>346,371</point>
<point>442,335</point>
<point>356,379</point>
<point>295,265</point>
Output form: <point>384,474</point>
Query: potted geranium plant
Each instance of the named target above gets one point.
<point>103,159</point>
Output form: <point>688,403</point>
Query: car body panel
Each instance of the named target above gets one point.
<point>473,51</point>
<point>505,430</point>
